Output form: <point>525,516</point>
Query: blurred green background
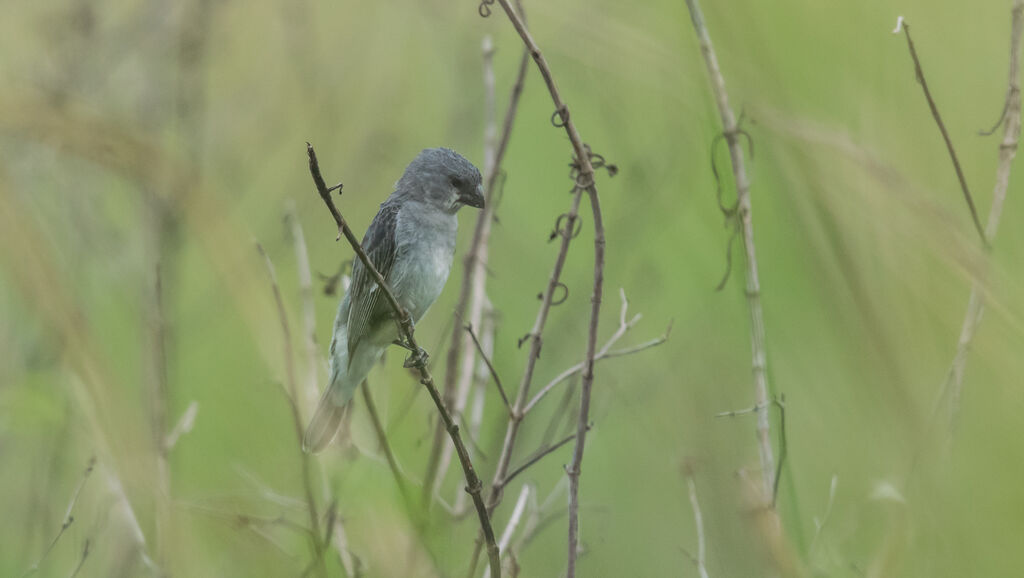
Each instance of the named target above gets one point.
<point>141,132</point>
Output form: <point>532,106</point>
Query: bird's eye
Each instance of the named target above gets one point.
<point>457,182</point>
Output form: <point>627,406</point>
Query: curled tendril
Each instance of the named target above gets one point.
<point>560,229</point>
<point>563,116</point>
<point>485,8</point>
<point>581,180</point>
<point>598,161</point>
<point>728,255</point>
<point>565,294</point>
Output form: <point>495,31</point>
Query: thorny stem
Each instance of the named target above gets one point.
<point>753,285</point>
<point>473,485</point>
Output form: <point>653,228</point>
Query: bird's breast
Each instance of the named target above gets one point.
<point>425,259</point>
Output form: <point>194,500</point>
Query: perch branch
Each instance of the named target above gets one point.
<point>406,326</point>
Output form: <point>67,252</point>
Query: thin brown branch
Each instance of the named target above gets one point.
<point>584,174</point>
<point>81,559</point>
<point>406,326</point>
<point>584,182</point>
<point>472,291</point>
<point>536,457</point>
<point>953,385</point>
<point>481,380</point>
<point>385,446</point>
<point>513,522</point>
<point>68,518</point>
<point>297,422</point>
<point>919,73</point>
<point>605,352</point>
<point>783,444</point>
<point>490,367</point>
<point>731,132</point>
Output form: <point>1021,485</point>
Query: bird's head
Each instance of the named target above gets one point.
<point>443,178</point>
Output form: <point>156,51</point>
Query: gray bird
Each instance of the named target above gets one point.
<point>411,242</point>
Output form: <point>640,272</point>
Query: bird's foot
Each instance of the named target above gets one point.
<point>402,344</point>
<point>416,358</point>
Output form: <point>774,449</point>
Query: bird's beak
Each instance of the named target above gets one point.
<point>474,198</point>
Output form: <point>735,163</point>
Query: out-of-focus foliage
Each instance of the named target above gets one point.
<point>198,111</point>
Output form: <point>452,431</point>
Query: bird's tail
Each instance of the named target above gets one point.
<point>334,402</point>
<point>324,425</point>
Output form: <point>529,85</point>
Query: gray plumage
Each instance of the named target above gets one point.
<point>411,242</point>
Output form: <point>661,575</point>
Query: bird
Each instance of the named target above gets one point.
<point>411,242</point>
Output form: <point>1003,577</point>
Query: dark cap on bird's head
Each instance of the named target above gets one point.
<point>445,177</point>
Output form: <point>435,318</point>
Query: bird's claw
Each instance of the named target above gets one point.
<point>416,358</point>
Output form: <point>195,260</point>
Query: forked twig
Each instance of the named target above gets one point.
<point>1011,120</point>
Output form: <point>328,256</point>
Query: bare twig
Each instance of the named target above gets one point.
<point>698,520</point>
<point>481,379</point>
<point>605,352</point>
<point>472,292</point>
<point>385,446</point>
<point>583,175</point>
<point>731,133</point>
<point>184,425</point>
<point>292,394</point>
<point>536,457</point>
<point>584,182</point>
<point>313,360</point>
<point>473,485</point>
<point>513,521</point>
<point>953,385</point>
<point>819,524</point>
<point>81,559</point>
<point>68,518</point>
<point>490,367</point>
<point>783,444</point>
<point>919,73</point>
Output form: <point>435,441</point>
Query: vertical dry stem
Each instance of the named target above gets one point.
<point>953,385</point>
<point>584,174</point>
<point>698,520</point>
<point>292,394</point>
<point>472,292</point>
<point>731,132</point>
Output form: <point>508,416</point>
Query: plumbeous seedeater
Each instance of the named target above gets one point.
<point>411,242</point>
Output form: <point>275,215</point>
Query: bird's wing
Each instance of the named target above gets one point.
<point>367,305</point>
